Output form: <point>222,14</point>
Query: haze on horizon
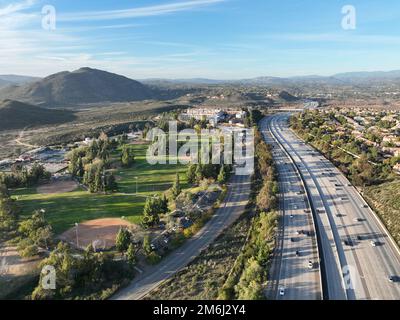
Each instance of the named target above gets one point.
<point>216,39</point>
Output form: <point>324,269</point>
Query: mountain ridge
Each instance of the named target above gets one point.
<point>18,115</point>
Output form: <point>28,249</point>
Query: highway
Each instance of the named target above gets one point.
<point>297,243</point>
<point>232,207</point>
<point>358,254</point>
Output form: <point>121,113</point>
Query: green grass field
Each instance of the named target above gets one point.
<point>64,209</point>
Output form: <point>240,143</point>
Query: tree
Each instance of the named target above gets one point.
<point>123,240</point>
<point>126,157</point>
<point>266,199</point>
<point>79,277</point>
<point>110,183</point>
<point>147,245</point>
<point>191,173</point>
<point>176,187</point>
<point>151,211</point>
<point>9,214</point>
<point>249,286</point>
<point>131,254</point>
<point>34,232</point>
<point>164,204</point>
<point>222,176</point>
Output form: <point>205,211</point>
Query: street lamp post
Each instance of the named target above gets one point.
<point>77,237</point>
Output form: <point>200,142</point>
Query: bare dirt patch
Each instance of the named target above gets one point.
<point>61,186</point>
<point>100,233</point>
<point>15,271</point>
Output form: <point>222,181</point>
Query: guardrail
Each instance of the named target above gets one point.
<point>323,280</point>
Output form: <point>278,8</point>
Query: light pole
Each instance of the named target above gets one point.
<point>77,238</point>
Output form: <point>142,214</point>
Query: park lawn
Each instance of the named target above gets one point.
<point>151,179</point>
<point>63,210</point>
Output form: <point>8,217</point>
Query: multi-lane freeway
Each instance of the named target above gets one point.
<point>357,257</point>
<point>291,274</point>
<point>232,207</point>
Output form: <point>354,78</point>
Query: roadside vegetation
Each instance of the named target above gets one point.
<point>249,273</point>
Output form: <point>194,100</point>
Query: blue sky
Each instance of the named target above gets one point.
<point>217,39</point>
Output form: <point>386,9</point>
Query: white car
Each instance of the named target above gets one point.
<point>374,243</point>
<point>282,292</point>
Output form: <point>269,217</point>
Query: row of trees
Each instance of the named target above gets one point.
<point>88,276</point>
<point>31,234</point>
<point>9,214</point>
<point>21,176</point>
<point>97,179</point>
<point>152,210</point>
<point>90,164</point>
<point>34,233</point>
<point>198,172</point>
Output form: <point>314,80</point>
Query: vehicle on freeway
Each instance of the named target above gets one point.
<point>292,239</point>
<point>359,238</point>
<point>358,220</point>
<point>310,264</point>
<point>339,215</point>
<point>282,291</point>
<point>291,216</point>
<point>364,206</point>
<point>299,232</point>
<point>348,243</point>
<point>375,243</point>
<point>392,279</point>
<point>320,211</point>
<point>298,253</point>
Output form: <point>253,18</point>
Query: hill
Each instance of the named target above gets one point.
<point>17,79</point>
<point>287,97</point>
<point>85,85</point>
<point>4,83</point>
<point>18,115</point>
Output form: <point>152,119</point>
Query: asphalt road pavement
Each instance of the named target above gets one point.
<point>360,256</point>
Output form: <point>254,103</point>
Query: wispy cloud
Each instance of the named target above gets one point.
<point>15,7</point>
<point>334,38</point>
<point>137,12</point>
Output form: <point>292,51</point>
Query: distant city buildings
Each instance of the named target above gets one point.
<point>214,115</point>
